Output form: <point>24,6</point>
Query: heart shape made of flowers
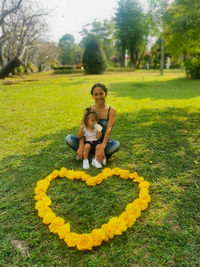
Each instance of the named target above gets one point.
<point>115,226</point>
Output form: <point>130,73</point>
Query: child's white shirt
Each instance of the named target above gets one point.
<point>91,135</point>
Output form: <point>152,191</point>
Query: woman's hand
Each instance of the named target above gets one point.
<point>80,151</point>
<point>100,153</point>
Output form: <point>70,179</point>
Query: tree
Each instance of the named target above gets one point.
<point>103,32</point>
<point>158,10</point>
<point>21,29</point>
<point>94,61</point>
<point>132,30</point>
<point>8,7</point>
<point>182,32</point>
<point>70,52</point>
<point>46,54</point>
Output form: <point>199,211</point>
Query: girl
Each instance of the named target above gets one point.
<point>91,131</point>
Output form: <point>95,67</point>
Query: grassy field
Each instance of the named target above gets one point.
<point>158,126</point>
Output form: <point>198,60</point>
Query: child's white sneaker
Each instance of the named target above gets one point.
<point>86,164</point>
<point>96,163</point>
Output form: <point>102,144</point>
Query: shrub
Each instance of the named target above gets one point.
<point>192,67</point>
<point>94,61</point>
<point>20,70</point>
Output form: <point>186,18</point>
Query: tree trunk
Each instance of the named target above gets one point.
<point>140,59</point>
<point>122,58</point>
<point>9,67</point>
<point>132,58</point>
<point>162,56</point>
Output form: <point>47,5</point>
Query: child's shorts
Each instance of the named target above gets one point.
<point>93,145</point>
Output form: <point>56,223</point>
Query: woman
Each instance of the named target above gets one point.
<point>106,118</point>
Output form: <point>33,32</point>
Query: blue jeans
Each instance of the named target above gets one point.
<point>111,147</point>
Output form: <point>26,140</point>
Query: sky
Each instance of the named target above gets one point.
<point>69,16</point>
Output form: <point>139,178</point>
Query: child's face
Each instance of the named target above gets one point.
<point>91,120</point>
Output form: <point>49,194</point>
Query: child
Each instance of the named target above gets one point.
<point>91,131</point>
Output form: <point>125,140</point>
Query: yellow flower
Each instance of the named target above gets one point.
<point>107,230</point>
<point>85,177</point>
<point>56,224</point>
<point>43,183</point>
<point>128,218</point>
<point>49,217</point>
<point>118,225</point>
<point>40,196</point>
<point>117,171</point>
<point>85,242</point>
<point>45,202</point>
<point>138,179</point>
<point>49,178</point>
<point>64,230</point>
<point>98,179</point>
<point>62,172</point>
<point>125,174</point>
<point>72,239</point>
<point>141,203</point>
<point>43,211</point>
<point>115,226</point>
<point>70,174</point>
<point>98,235</point>
<point>91,182</point>
<point>144,184</point>
<point>144,194</point>
<point>133,209</point>
<point>145,197</point>
<point>107,172</point>
<point>79,174</point>
<point>133,175</point>
<point>54,174</point>
<point>42,188</point>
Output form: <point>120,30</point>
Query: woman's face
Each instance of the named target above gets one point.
<point>99,95</point>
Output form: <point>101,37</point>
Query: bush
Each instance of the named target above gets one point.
<point>94,61</point>
<point>20,70</point>
<point>192,67</point>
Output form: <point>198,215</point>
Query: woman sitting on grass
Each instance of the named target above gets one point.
<point>106,118</point>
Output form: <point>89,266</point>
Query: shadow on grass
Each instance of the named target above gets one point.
<point>180,88</point>
<point>161,144</point>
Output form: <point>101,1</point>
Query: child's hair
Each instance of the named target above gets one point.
<point>89,111</point>
<point>99,85</point>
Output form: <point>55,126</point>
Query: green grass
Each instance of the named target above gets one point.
<point>158,126</point>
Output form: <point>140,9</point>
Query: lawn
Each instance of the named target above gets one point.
<point>158,126</point>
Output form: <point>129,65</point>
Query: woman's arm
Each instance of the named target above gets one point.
<point>80,133</point>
